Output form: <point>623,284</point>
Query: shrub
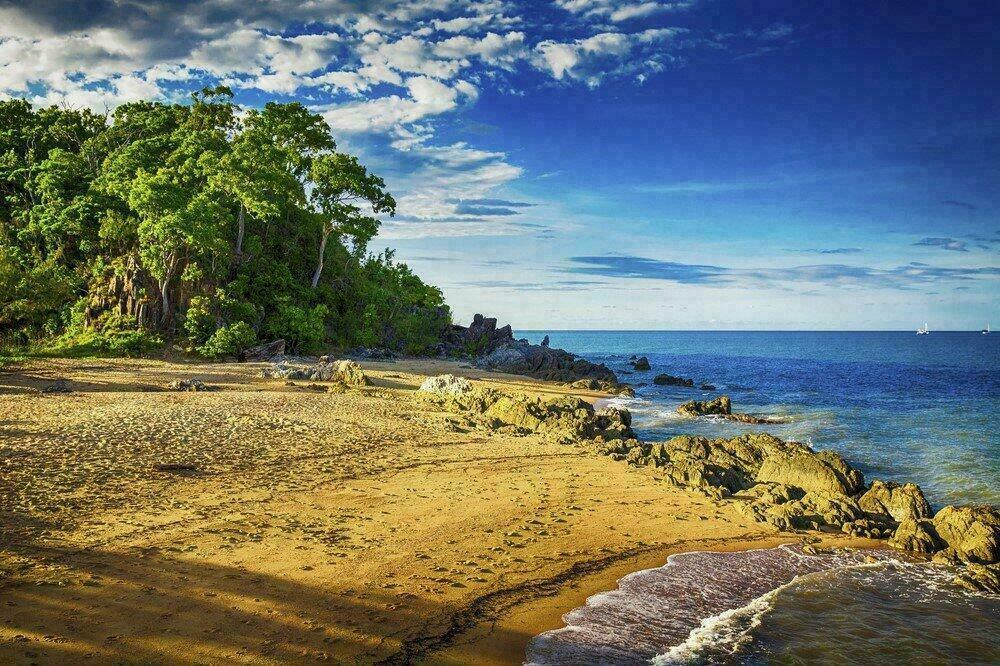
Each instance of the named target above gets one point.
<point>229,340</point>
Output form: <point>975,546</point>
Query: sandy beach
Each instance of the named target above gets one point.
<point>267,523</point>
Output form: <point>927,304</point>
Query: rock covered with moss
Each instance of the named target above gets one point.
<point>901,501</point>
<point>566,419</point>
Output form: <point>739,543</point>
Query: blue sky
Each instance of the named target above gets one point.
<point>595,164</point>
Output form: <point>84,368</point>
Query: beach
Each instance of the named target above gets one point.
<point>264,522</point>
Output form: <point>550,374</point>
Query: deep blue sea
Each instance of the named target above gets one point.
<point>900,406</point>
<point>897,405</point>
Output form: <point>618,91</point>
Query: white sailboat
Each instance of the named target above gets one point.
<point>924,330</point>
<point>987,329</point>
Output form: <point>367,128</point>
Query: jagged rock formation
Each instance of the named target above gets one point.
<point>348,373</point>
<point>723,407</point>
<point>481,337</point>
<point>565,419</point>
<point>496,349</point>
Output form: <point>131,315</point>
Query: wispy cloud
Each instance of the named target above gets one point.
<point>959,204</point>
<point>944,243</point>
<point>909,276</point>
<point>835,250</point>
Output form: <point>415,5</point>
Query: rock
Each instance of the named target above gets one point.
<point>521,358</point>
<point>350,373</point>
<point>980,578</point>
<point>58,386</point>
<point>189,385</point>
<point>899,501</point>
<point>603,387</point>
<point>916,535</point>
<point>566,419</point>
<point>973,532</point>
<point>446,385</point>
<point>264,352</point>
<point>640,364</point>
<point>545,341</point>
<point>707,387</point>
<point>822,472</point>
<point>720,405</point>
<point>670,380</point>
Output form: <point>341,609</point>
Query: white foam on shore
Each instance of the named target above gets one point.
<point>728,631</point>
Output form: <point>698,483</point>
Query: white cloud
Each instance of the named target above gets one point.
<point>618,11</point>
<point>594,58</point>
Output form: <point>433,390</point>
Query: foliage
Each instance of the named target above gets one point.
<point>202,221</point>
<point>229,340</point>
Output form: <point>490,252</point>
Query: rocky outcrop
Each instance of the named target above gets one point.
<point>479,338</point>
<point>916,535</point>
<point>603,386</point>
<point>723,407</point>
<point>980,578</point>
<point>640,364</point>
<point>565,419</point>
<point>348,373</point>
<point>669,380</point>
<point>521,358</point>
<point>446,385</point>
<point>970,533</point>
<point>822,472</point>
<point>902,502</point>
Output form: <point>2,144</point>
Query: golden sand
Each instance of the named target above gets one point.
<point>266,523</point>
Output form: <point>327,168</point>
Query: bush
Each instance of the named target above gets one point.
<point>231,340</point>
<point>302,328</point>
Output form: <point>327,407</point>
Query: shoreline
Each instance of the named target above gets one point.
<point>530,528</point>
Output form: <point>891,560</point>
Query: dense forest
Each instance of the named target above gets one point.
<point>202,225</point>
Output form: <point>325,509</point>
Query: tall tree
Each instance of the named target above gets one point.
<point>340,186</point>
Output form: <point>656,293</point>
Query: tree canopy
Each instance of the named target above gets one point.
<point>202,223</point>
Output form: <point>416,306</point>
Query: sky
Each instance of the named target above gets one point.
<point>592,164</point>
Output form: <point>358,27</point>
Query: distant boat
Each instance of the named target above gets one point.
<point>924,330</point>
<point>987,329</point>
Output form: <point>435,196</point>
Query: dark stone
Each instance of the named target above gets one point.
<point>640,364</point>
<point>670,380</point>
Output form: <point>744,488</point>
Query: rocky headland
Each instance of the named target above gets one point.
<point>784,484</point>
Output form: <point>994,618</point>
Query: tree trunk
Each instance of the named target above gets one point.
<point>319,263</point>
<point>165,298</point>
<point>240,228</point>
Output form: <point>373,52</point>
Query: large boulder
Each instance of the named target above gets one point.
<point>720,406</point>
<point>446,385</point>
<point>822,472</point>
<point>348,372</point>
<point>980,578</point>
<point>640,364</point>
<point>670,380</point>
<point>899,501</point>
<point>972,533</point>
<point>916,535</point>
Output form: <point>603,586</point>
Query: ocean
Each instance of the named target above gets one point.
<point>896,405</point>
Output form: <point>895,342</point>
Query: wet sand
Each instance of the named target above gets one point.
<point>266,523</point>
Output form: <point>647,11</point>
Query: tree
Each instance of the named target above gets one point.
<point>339,185</point>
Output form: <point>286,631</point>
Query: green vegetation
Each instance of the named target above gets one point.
<point>203,224</point>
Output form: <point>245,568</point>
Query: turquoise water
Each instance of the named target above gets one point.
<point>897,405</point>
